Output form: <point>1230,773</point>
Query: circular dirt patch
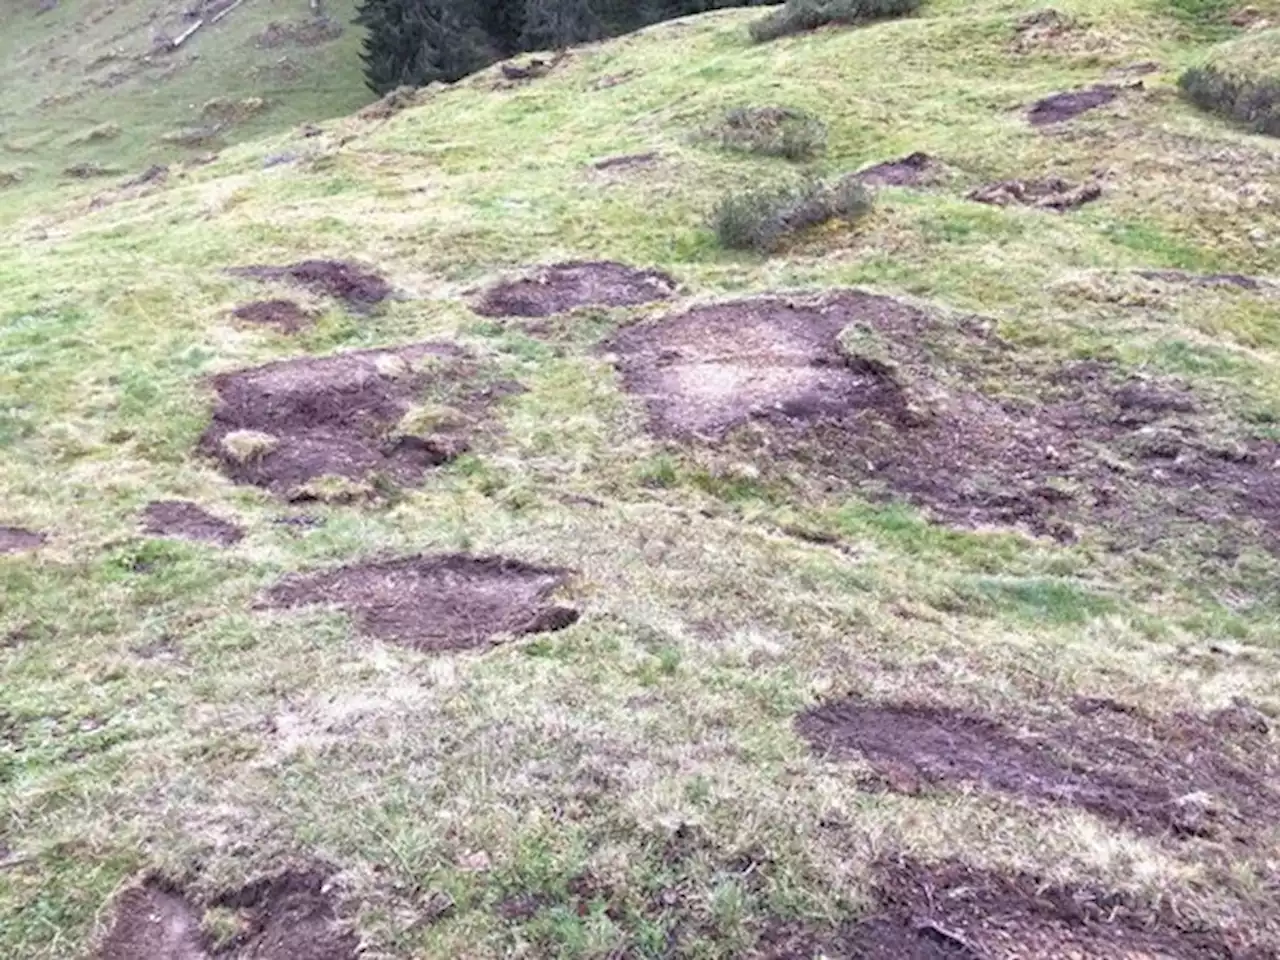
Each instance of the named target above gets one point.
<point>285,917</point>
<point>566,286</point>
<point>1061,107</point>
<point>914,170</point>
<point>441,602</point>
<point>286,424</point>
<point>339,279</point>
<point>187,521</point>
<point>17,540</point>
<point>1188,776</point>
<point>284,315</point>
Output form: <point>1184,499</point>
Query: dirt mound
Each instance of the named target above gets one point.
<point>440,602</point>
<point>566,286</point>
<point>1064,106</point>
<point>1051,194</point>
<point>339,279</point>
<point>956,912</point>
<point>913,170</point>
<point>285,315</point>
<point>285,917</point>
<point>16,540</point>
<point>1188,775</point>
<point>180,518</point>
<point>285,424</point>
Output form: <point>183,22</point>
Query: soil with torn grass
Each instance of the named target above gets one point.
<point>285,315</point>
<point>567,286</point>
<point>354,285</point>
<point>1061,107</point>
<point>188,521</point>
<point>289,916</point>
<point>913,170</point>
<point>325,428</point>
<point>436,603</point>
<point>1051,194</point>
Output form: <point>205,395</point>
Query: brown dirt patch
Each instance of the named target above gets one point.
<point>186,520</point>
<point>438,602</point>
<point>1051,194</point>
<point>339,279</point>
<point>1061,107</point>
<point>863,391</point>
<point>1185,775</point>
<point>285,917</point>
<point>625,161</point>
<point>16,540</point>
<point>567,286</point>
<point>284,315</point>
<point>952,911</point>
<point>913,170</point>
<point>284,424</point>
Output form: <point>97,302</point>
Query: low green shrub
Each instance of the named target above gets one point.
<point>772,132</point>
<point>799,16</point>
<point>761,219</point>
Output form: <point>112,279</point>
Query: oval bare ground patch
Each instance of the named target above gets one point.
<point>292,426</point>
<point>340,279</point>
<point>567,286</point>
<point>1186,776</point>
<point>284,315</point>
<point>436,602</point>
<point>288,916</point>
<point>17,540</point>
<point>188,521</point>
<point>1061,107</point>
<point>913,170</point>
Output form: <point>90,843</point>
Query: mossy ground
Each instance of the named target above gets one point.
<point>151,718</point>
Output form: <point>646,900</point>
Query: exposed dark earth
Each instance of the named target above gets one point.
<point>1051,194</point>
<point>862,390</point>
<point>352,284</point>
<point>284,424</point>
<point>567,286</point>
<point>436,602</point>
<point>913,170</point>
<point>1186,776</point>
<point>188,521</point>
<point>16,540</point>
<point>284,315</point>
<point>289,916</point>
<point>1061,107</point>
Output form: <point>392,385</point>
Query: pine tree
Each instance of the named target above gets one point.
<point>416,42</point>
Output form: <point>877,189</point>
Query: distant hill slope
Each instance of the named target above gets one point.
<point>88,84</point>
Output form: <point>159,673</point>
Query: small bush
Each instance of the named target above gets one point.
<point>773,132</point>
<point>800,16</point>
<point>762,219</point>
<point>1254,102</point>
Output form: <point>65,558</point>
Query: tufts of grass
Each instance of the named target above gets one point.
<point>772,132</point>
<point>1240,81</point>
<point>761,219</point>
<point>801,16</point>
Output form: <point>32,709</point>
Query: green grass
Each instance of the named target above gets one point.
<point>152,718</point>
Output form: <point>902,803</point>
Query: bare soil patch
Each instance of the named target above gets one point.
<point>1051,194</point>
<point>285,917</point>
<point>16,540</point>
<point>284,315</point>
<point>1188,776</point>
<point>339,279</point>
<point>863,391</point>
<point>436,602</point>
<point>566,286</point>
<point>188,521</point>
<point>1061,107</point>
<point>913,170</point>
<point>284,424</point>
<point>952,911</point>
<point>306,33</point>
<point>625,161</point>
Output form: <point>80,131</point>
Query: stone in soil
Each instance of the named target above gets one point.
<point>567,286</point>
<point>436,602</point>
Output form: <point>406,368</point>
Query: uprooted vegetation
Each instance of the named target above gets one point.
<point>762,219</point>
<point>771,132</point>
<point>801,16</point>
<point>1241,82</point>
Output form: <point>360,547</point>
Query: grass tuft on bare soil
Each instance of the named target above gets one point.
<point>771,132</point>
<point>763,218</point>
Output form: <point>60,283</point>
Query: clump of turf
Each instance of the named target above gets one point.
<point>772,132</point>
<point>800,16</point>
<point>1240,81</point>
<point>760,219</point>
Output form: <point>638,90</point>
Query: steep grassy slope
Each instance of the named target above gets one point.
<point>92,82</point>
<point>637,784</point>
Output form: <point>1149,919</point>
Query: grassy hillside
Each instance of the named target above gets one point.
<point>90,83</point>
<point>984,667</point>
